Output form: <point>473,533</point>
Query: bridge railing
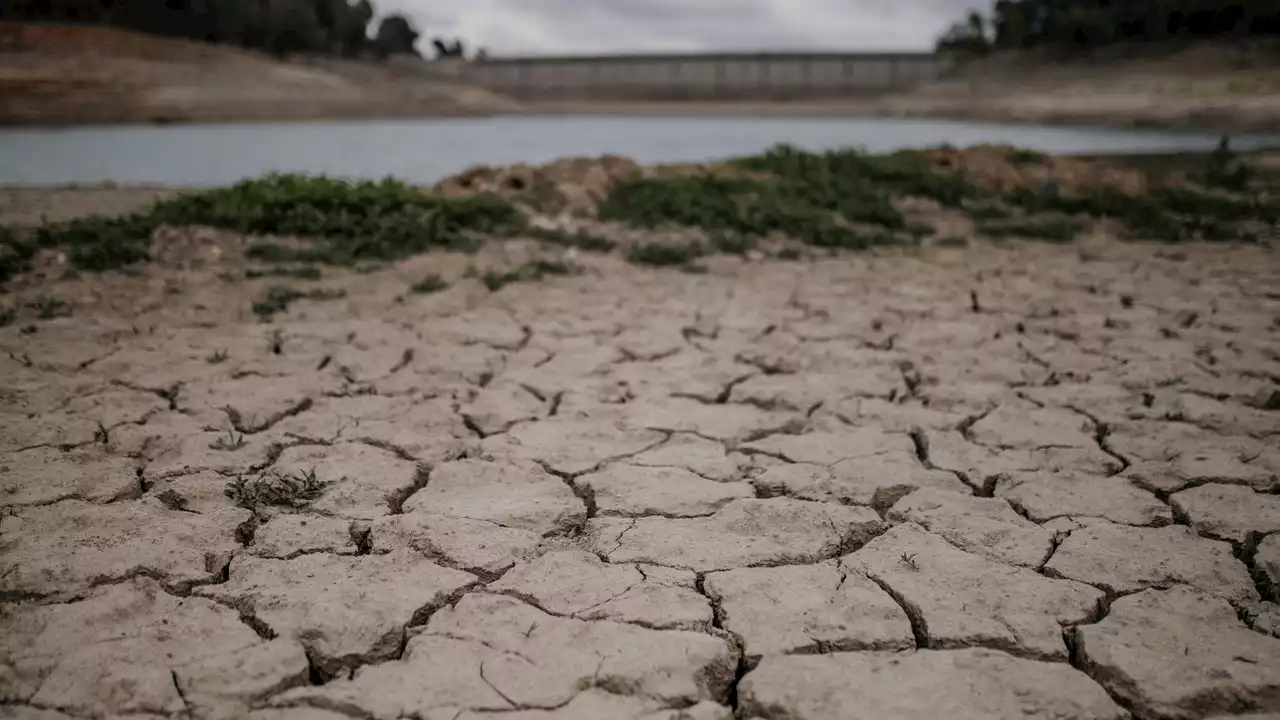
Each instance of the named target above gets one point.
<point>657,77</point>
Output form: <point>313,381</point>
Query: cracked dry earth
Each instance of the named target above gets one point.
<point>998,483</point>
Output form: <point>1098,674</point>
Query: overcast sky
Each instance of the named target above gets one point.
<point>510,27</point>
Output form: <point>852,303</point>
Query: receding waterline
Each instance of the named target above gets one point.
<point>424,151</point>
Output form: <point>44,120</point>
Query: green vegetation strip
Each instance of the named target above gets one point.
<point>837,199</point>
<point>347,222</point>
<point>843,199</point>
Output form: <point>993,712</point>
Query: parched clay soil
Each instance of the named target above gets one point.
<point>1000,482</point>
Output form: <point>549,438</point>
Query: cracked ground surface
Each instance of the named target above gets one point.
<point>1007,482</point>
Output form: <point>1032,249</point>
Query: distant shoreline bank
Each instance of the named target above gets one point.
<point>1219,119</point>
<point>1192,120</point>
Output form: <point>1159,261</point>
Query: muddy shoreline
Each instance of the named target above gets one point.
<point>1199,119</point>
<point>1223,120</point>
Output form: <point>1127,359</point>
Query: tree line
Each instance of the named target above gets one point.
<point>1082,24</point>
<point>339,28</point>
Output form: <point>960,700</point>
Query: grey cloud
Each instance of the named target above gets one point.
<point>509,27</point>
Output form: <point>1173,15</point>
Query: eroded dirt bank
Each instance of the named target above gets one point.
<point>998,481</point>
<point>74,75</point>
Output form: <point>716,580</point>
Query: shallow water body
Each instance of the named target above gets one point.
<point>425,151</point>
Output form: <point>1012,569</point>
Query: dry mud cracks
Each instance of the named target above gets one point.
<point>994,483</point>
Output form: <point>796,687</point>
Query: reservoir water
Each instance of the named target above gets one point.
<point>424,151</point>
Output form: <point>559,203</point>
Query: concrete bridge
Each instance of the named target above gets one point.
<point>761,76</point>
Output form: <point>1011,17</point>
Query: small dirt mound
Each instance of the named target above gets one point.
<point>570,184</point>
<point>1002,168</point>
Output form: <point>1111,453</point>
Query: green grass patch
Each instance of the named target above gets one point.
<point>863,176</point>
<point>301,272</point>
<point>820,199</point>
<point>665,254</point>
<point>1023,156</point>
<point>986,212</point>
<point>268,489</point>
<point>430,284</point>
<point>1171,214</point>
<point>1052,229</point>
<point>347,221</point>
<point>101,243</point>
<point>952,241</point>
<point>15,254</point>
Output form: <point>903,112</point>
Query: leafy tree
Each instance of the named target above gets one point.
<point>1095,23</point>
<point>395,36</point>
<point>280,26</point>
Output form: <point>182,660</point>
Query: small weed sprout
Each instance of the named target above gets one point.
<point>278,298</point>
<point>1022,156</point>
<point>531,271</point>
<point>232,442</point>
<point>910,560</point>
<point>1225,169</point>
<point>216,357</point>
<point>665,254</point>
<point>581,240</point>
<point>294,490</point>
<point>48,307</point>
<point>430,284</point>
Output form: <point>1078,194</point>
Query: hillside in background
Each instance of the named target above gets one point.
<point>1209,84</point>
<point>70,74</point>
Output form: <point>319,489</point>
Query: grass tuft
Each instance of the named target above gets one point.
<point>232,442</point>
<point>665,254</point>
<point>1023,156</point>
<point>531,271</point>
<point>269,489</point>
<point>430,284</point>
<point>48,307</point>
<point>278,298</point>
<point>1052,229</point>
<point>580,239</point>
<point>301,272</point>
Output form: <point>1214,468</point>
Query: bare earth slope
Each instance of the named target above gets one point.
<point>82,74</point>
